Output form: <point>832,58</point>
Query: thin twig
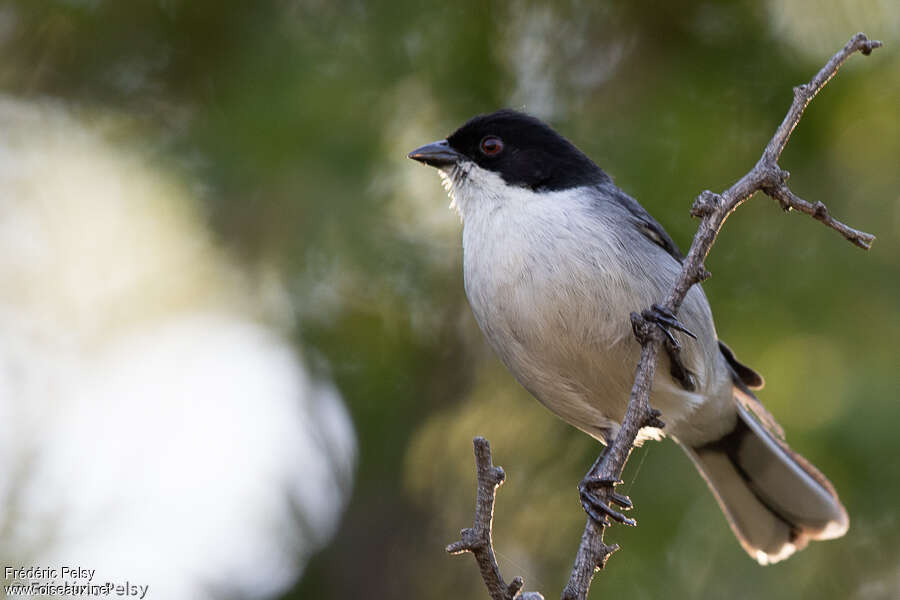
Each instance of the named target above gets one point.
<point>477,539</point>
<point>766,176</point>
<point>819,211</point>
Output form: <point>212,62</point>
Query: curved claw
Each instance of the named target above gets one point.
<point>599,510</point>
<point>597,505</point>
<point>665,319</point>
<point>623,501</point>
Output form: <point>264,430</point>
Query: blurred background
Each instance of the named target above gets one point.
<point>236,360</point>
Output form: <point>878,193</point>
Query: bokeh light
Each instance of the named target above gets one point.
<point>160,429</point>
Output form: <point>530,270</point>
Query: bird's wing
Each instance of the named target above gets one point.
<point>646,224</point>
<point>748,376</point>
<point>745,378</point>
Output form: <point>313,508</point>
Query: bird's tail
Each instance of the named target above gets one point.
<point>774,499</point>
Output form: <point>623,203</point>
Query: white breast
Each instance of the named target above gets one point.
<point>546,277</point>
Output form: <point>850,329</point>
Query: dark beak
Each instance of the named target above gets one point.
<point>437,154</point>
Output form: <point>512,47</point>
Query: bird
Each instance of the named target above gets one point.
<point>555,259</point>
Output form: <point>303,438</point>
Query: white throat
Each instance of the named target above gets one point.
<point>473,189</point>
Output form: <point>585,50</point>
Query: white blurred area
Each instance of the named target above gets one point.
<point>156,424</point>
<point>818,28</point>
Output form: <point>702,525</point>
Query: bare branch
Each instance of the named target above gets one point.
<point>767,177</point>
<point>803,94</point>
<point>592,555</point>
<point>819,211</point>
<point>477,539</point>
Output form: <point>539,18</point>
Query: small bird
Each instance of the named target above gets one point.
<point>555,259</point>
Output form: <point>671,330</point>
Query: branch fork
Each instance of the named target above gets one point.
<point>477,539</point>
<point>712,208</point>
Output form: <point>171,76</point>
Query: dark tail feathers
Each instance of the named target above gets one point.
<point>774,499</point>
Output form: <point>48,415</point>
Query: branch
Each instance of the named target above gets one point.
<point>767,177</point>
<point>477,540</point>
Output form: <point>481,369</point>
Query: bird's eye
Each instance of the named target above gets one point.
<point>491,146</point>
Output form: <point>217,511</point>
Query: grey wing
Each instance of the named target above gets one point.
<point>742,374</point>
<point>644,222</point>
<point>744,377</point>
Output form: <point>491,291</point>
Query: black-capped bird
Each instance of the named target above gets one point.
<point>556,257</point>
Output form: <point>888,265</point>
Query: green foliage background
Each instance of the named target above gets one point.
<point>293,119</point>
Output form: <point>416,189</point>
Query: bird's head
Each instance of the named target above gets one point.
<point>507,149</point>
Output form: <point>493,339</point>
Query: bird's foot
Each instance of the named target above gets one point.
<point>665,319</point>
<point>597,497</point>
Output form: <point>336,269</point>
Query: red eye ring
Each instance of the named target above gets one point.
<point>491,145</point>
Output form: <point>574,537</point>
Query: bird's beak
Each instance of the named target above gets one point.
<point>437,154</point>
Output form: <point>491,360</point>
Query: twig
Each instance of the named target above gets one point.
<point>767,177</point>
<point>477,539</point>
<point>819,211</point>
